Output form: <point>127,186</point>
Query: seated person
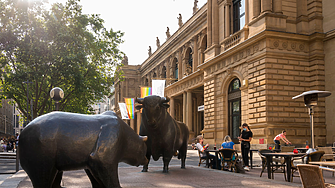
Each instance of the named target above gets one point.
<point>228,144</point>
<point>202,149</point>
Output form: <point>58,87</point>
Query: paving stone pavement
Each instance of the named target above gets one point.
<point>192,176</point>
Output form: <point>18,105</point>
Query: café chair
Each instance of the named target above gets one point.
<point>277,163</point>
<point>328,156</point>
<point>311,176</point>
<point>230,157</point>
<point>201,160</point>
<point>314,156</point>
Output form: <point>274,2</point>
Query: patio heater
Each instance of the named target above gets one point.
<point>311,100</point>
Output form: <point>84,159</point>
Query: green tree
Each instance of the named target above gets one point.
<point>60,47</point>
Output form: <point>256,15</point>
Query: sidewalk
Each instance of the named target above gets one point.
<point>192,176</point>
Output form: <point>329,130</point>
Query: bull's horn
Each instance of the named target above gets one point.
<point>139,100</point>
<point>165,99</point>
<point>144,138</point>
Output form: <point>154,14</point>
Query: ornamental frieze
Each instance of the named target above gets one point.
<point>185,85</point>
<point>231,60</point>
<point>288,45</point>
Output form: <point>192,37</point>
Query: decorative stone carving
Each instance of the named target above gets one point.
<point>229,70</point>
<point>180,20</point>
<point>188,70</point>
<point>158,44</point>
<point>125,60</point>
<point>167,33</point>
<point>149,51</point>
<point>195,7</point>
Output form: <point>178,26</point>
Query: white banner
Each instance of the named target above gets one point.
<point>123,110</point>
<point>158,87</point>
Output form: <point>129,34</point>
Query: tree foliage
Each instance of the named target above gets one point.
<point>59,47</point>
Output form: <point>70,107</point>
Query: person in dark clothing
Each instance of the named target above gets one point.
<point>245,139</point>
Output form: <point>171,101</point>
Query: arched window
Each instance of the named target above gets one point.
<point>146,82</point>
<point>176,69</point>
<point>190,58</point>
<point>203,47</point>
<point>234,108</point>
<point>164,72</point>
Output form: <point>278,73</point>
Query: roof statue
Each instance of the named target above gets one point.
<point>125,60</point>
<point>195,7</point>
<point>167,33</point>
<point>180,20</point>
<point>158,44</point>
<point>149,51</point>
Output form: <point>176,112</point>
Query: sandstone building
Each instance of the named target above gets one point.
<point>243,61</point>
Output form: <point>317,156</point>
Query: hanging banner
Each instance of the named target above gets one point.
<point>123,110</point>
<point>145,91</point>
<point>130,103</point>
<point>158,87</point>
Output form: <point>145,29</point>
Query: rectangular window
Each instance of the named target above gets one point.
<point>238,15</point>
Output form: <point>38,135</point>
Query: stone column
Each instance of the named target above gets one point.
<point>139,120</point>
<point>215,23</point>
<point>277,6</point>
<point>184,107</point>
<point>189,111</point>
<point>132,124</point>
<point>302,18</point>
<point>172,109</point>
<point>195,54</point>
<point>180,65</point>
<point>127,87</point>
<point>256,8</point>
<point>266,5</point>
<point>247,13</point>
<point>194,114</point>
<point>227,20</point>
<point>209,23</point>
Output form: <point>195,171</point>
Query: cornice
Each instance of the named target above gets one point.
<point>329,35</point>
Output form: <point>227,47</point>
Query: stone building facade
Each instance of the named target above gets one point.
<point>127,87</point>
<point>243,61</point>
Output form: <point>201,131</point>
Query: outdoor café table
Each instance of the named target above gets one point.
<point>301,150</point>
<point>252,150</point>
<point>287,156</point>
<point>216,157</point>
<point>323,163</point>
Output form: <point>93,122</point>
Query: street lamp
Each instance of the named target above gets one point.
<point>27,82</point>
<point>57,94</point>
<point>311,100</point>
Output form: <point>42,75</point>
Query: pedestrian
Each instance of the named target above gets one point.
<point>281,136</point>
<point>201,148</point>
<point>245,139</point>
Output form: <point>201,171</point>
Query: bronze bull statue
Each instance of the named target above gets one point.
<point>60,141</point>
<point>166,136</point>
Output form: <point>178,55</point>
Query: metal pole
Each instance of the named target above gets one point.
<point>27,101</point>
<point>31,107</point>
<point>5,124</point>
<point>312,125</point>
<point>57,106</point>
